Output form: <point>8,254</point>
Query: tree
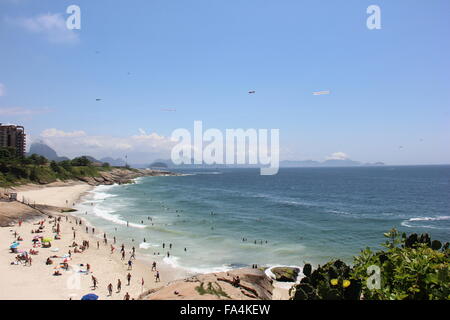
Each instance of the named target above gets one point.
<point>7,153</point>
<point>54,166</point>
<point>81,161</point>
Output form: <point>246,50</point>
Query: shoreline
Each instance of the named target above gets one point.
<point>64,196</point>
<point>37,282</point>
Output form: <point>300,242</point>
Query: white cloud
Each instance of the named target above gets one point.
<point>51,26</point>
<point>2,89</point>
<point>140,148</point>
<point>338,156</point>
<point>55,133</point>
<point>19,111</point>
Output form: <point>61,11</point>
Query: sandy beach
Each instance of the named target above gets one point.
<point>22,281</point>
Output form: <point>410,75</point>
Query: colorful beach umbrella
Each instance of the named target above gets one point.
<point>47,240</point>
<point>90,296</point>
<point>15,245</point>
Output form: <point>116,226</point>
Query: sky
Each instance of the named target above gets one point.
<point>159,65</point>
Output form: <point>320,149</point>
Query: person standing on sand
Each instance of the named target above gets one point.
<point>74,235</point>
<point>128,278</point>
<point>123,255</point>
<point>119,285</point>
<point>157,279</point>
<point>114,239</point>
<point>93,230</point>
<point>127,296</point>
<point>88,268</point>
<point>98,244</point>
<point>130,265</point>
<point>154,266</point>
<point>110,289</point>
<point>94,282</point>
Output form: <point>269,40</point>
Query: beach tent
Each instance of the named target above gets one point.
<point>90,296</point>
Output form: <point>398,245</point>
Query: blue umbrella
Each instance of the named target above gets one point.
<point>15,245</point>
<point>90,296</point>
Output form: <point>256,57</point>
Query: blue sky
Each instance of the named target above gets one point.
<point>389,87</point>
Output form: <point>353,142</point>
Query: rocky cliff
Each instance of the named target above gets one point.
<point>123,176</point>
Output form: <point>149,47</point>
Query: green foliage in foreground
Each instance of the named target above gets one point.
<point>15,170</point>
<point>410,268</point>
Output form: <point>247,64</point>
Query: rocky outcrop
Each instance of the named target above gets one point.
<point>13,211</point>
<point>123,176</point>
<point>285,274</point>
<point>253,284</point>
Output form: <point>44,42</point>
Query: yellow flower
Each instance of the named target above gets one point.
<point>346,283</point>
<point>334,282</point>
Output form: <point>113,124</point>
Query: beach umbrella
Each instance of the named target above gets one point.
<point>47,240</point>
<point>14,245</point>
<point>90,296</point>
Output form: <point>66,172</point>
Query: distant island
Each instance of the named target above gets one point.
<point>42,149</point>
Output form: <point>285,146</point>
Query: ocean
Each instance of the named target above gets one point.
<point>228,218</point>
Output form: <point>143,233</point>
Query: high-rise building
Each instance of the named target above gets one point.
<point>13,136</point>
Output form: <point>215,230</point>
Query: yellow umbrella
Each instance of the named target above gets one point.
<point>47,240</point>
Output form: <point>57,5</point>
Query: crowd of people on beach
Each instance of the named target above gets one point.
<point>59,263</point>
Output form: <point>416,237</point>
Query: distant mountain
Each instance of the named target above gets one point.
<point>327,163</point>
<point>159,165</point>
<point>340,163</point>
<point>44,150</point>
<point>92,159</point>
<point>304,163</point>
<point>114,162</point>
<point>167,163</point>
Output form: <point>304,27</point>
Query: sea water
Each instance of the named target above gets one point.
<point>228,218</point>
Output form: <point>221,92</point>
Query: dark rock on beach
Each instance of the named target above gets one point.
<point>286,274</point>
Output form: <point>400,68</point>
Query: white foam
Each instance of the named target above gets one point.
<point>410,222</point>
<point>116,218</point>
<point>172,261</point>
<point>147,245</point>
<point>438,218</point>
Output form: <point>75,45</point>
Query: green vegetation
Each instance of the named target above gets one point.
<point>15,170</point>
<point>410,268</point>
<point>213,288</point>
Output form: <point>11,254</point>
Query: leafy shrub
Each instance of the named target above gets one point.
<point>329,282</point>
<point>412,268</point>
